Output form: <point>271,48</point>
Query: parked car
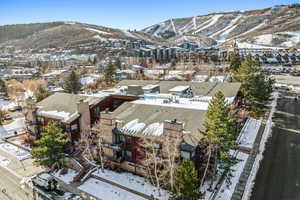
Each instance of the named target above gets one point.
<point>45,181</point>
<point>8,117</point>
<point>15,108</point>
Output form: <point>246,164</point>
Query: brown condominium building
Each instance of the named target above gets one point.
<point>133,115</point>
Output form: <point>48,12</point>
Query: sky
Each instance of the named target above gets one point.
<point>124,14</point>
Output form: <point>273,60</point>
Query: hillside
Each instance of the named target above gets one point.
<point>62,34</point>
<point>276,26</point>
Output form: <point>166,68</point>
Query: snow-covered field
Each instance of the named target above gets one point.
<point>107,191</point>
<point>133,182</point>
<point>20,154</point>
<point>4,161</point>
<point>227,190</point>
<point>66,178</point>
<point>17,125</point>
<point>248,133</point>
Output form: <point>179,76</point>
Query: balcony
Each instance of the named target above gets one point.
<point>117,147</point>
<point>116,159</point>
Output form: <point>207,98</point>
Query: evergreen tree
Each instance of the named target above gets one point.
<point>72,83</point>
<point>220,134</point>
<point>118,64</point>
<point>186,182</point>
<point>41,94</point>
<point>52,143</point>
<point>235,62</point>
<point>256,87</point>
<point>3,87</point>
<point>109,73</point>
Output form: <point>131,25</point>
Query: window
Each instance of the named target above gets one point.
<point>40,120</point>
<point>97,111</point>
<point>185,154</point>
<point>74,127</point>
<point>127,155</point>
<point>157,145</point>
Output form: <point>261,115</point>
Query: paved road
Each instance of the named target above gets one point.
<point>279,175</point>
<point>12,186</point>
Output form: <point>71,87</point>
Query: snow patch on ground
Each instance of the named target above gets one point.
<point>225,31</point>
<point>19,153</point>
<point>211,22</point>
<point>4,161</point>
<point>5,105</point>
<point>17,125</point>
<point>133,182</point>
<point>98,31</point>
<point>246,45</point>
<point>66,178</point>
<point>294,40</point>
<point>226,190</point>
<point>107,191</point>
<point>248,133</point>
<point>265,39</point>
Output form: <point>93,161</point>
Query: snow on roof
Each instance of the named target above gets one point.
<point>104,190</point>
<point>133,126</point>
<point>217,79</point>
<point>54,73</point>
<point>168,100</point>
<point>45,176</point>
<point>56,114</point>
<point>66,178</point>
<point>179,88</point>
<point>149,87</point>
<point>156,129</point>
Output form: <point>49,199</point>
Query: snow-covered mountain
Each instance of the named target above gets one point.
<point>276,26</point>
<point>62,34</point>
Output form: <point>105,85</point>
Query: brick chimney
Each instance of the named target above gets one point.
<point>173,128</point>
<point>83,109</point>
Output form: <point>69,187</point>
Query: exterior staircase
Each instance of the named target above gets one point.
<point>87,166</point>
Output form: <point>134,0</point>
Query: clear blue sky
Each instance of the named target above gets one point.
<point>133,14</point>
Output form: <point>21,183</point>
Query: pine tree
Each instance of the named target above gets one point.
<point>235,62</point>
<point>41,94</point>
<point>256,87</point>
<point>72,83</point>
<point>3,87</point>
<point>186,182</point>
<point>220,133</point>
<point>52,143</point>
<point>109,73</point>
<point>118,64</point>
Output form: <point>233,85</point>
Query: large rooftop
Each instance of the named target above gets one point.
<point>63,106</point>
<point>198,88</point>
<point>148,115</point>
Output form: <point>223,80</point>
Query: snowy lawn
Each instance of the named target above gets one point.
<point>66,178</point>
<point>19,153</point>
<point>248,133</point>
<point>227,190</point>
<point>107,191</point>
<point>17,125</point>
<point>133,182</point>
<point>4,161</point>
